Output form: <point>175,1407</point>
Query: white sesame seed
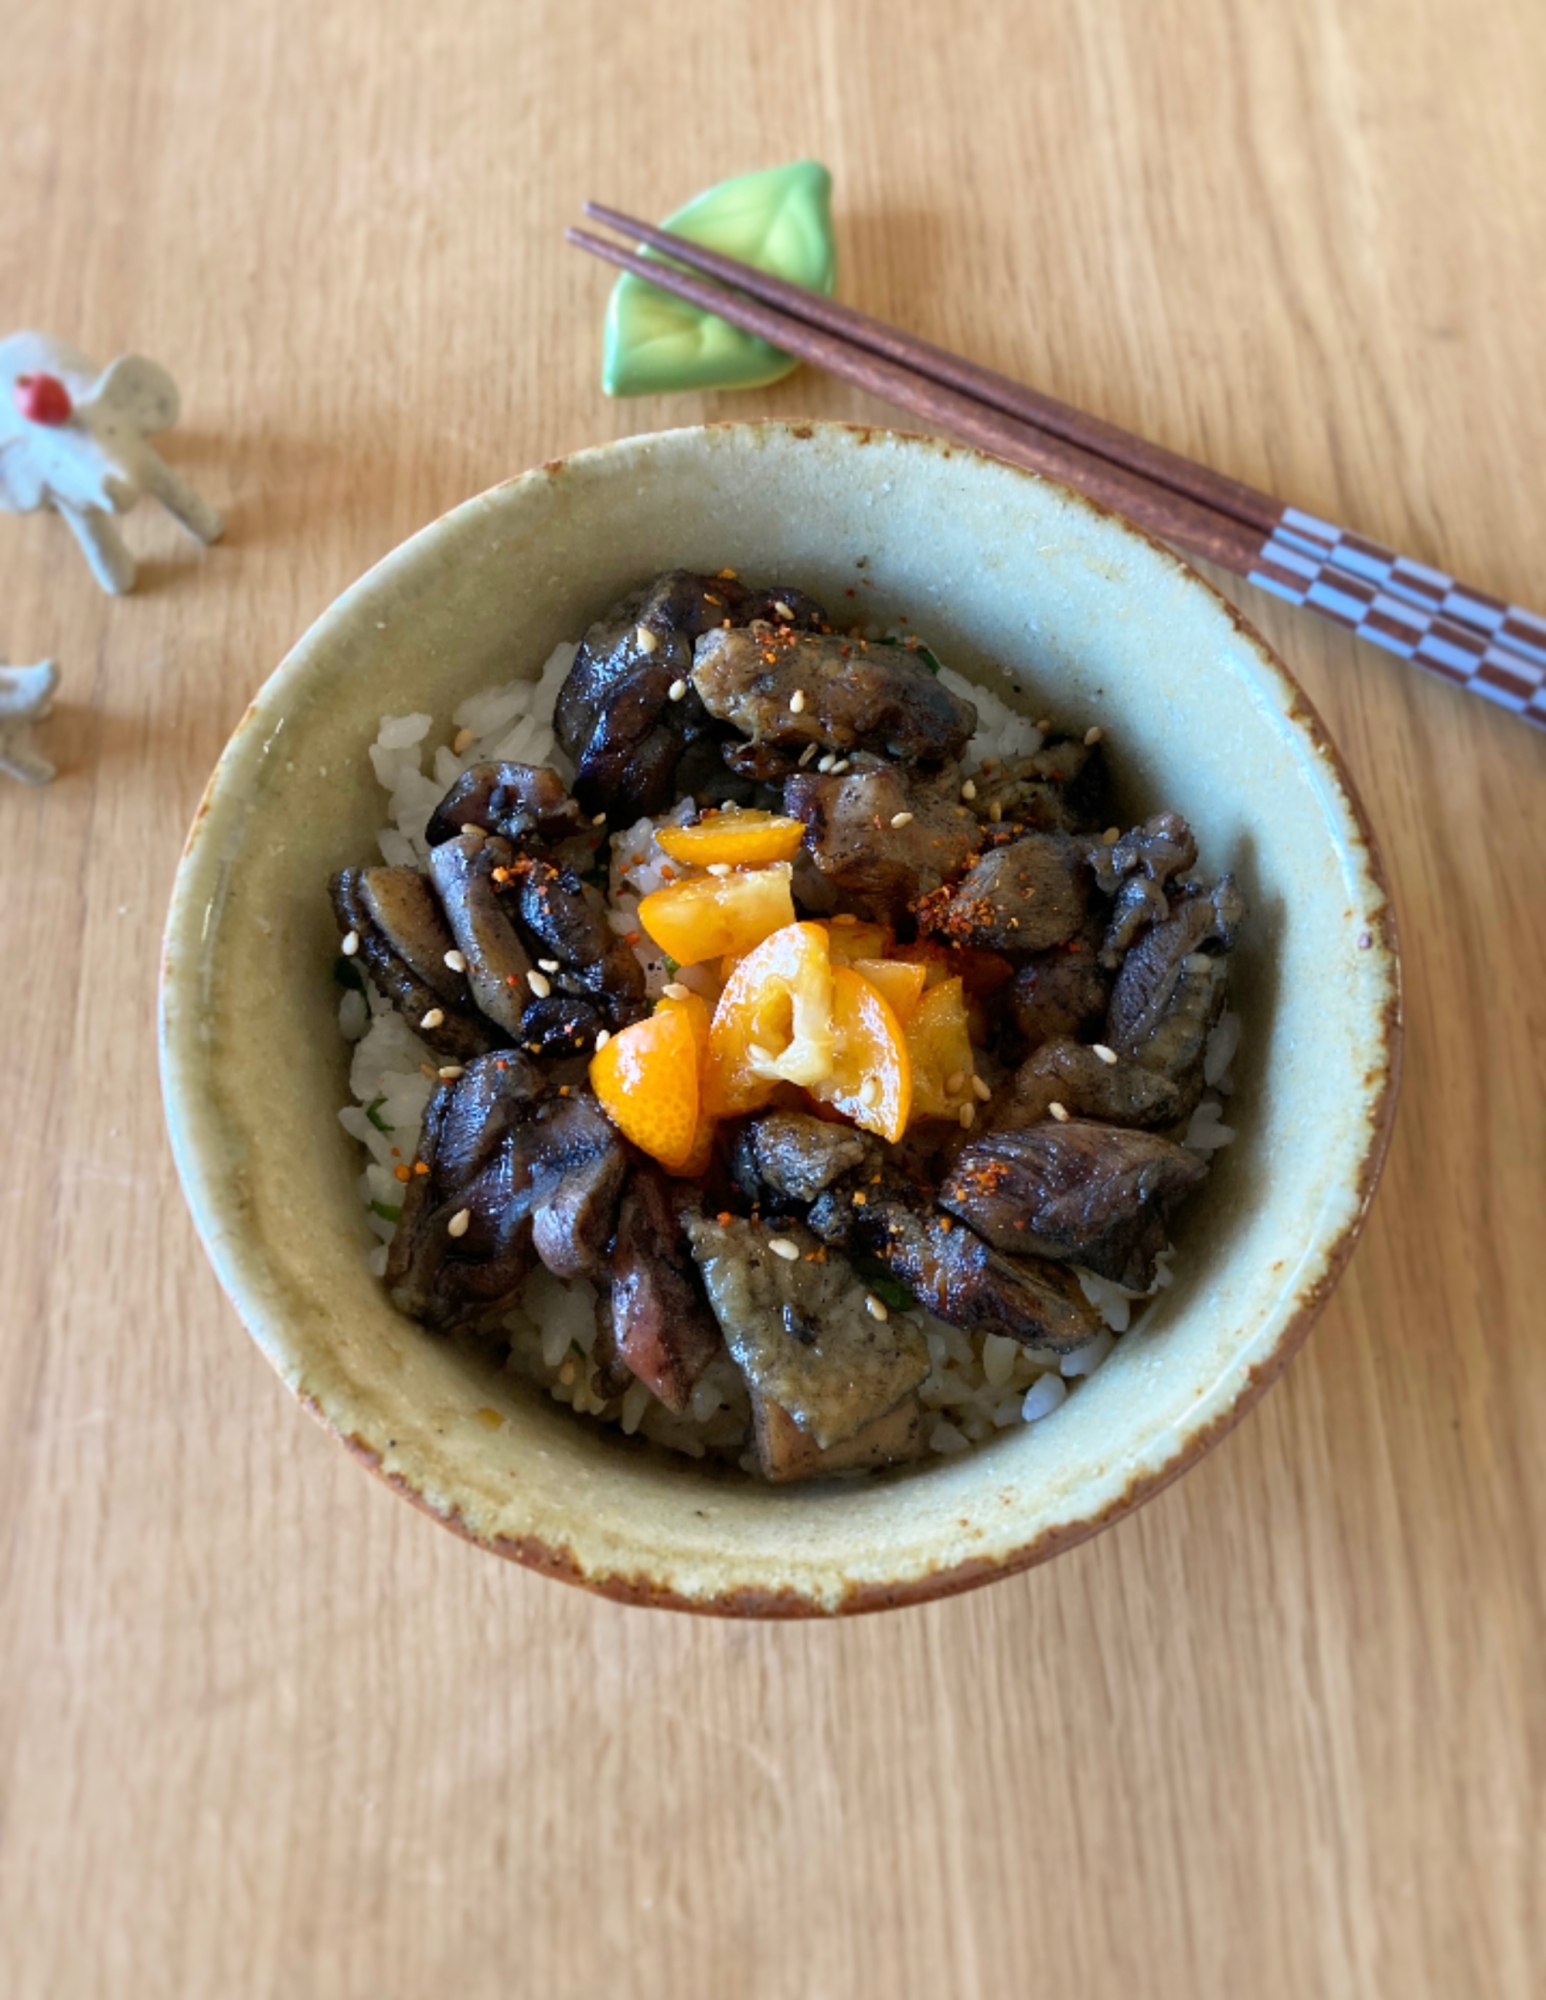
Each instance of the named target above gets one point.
<point>538,985</point>
<point>781,609</point>
<point>840,767</point>
<point>1111,836</point>
<point>460,742</point>
<point>1106,1055</point>
<point>901,819</point>
<point>758,1053</point>
<point>598,819</point>
<point>869,1090</point>
<point>1059,1113</point>
<point>720,868</point>
<point>955,1083</point>
<point>782,1247</point>
<point>676,990</point>
<point>648,643</point>
<point>874,1307</point>
<point>428,1071</point>
<point>797,702</point>
<point>450,1073</point>
<point>980,1090</point>
<point>458,1225</point>
<point>603,1036</point>
<point>807,754</point>
<point>1045,724</point>
<point>969,790</point>
<point>350,945</point>
<point>968,1116</point>
<point>677,690</point>
<point>995,812</point>
<point>1093,736</point>
<point>548,964</point>
<point>434,1018</point>
<point>456,961</point>
<point>468,826</point>
<point>827,762</point>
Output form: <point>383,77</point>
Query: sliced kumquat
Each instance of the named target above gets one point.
<point>898,983</point>
<point>741,839</point>
<point>773,1023</point>
<point>710,915</point>
<point>941,1052</point>
<point>646,1081</point>
<point>696,1012</point>
<point>871,1078</point>
<point>854,938</point>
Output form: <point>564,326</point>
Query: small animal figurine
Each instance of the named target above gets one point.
<point>74,439</point>
<point>26,695</point>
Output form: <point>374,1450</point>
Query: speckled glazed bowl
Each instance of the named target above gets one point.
<point>1017,582</point>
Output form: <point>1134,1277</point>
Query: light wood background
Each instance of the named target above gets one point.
<point>264,1730</point>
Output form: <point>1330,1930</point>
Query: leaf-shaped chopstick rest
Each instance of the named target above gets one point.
<point>780,220</point>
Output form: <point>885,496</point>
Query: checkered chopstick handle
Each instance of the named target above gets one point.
<point>1466,637</point>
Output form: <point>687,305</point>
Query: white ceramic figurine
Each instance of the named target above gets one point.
<point>26,695</point>
<point>74,439</point>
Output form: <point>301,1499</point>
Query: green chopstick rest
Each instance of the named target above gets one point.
<point>781,221</point>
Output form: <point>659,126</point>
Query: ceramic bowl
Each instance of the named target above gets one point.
<point>1066,610</point>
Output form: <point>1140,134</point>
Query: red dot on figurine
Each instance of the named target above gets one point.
<point>42,399</point>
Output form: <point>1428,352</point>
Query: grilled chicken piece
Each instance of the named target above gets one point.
<point>521,802</point>
<point>577,1177</point>
<point>656,1325</point>
<point>790,1156</point>
<point>786,1453</point>
<point>465,1160</point>
<point>497,961</point>
<point>1170,991</point>
<point>1064,787</point>
<point>1063,992</point>
<point>799,1331</point>
<point>960,1278</point>
<point>882,868</point>
<point>560,1025</point>
<point>1025,896</point>
<point>1080,1192</point>
<point>1067,1073</point>
<point>615,716</point>
<point>853,695</point>
<point>567,919</point>
<point>1135,871</point>
<point>532,1176</point>
<point>403,945</point>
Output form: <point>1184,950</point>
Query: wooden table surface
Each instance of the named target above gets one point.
<point>264,1730</point>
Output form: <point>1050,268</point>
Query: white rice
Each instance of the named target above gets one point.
<point>977,1384</point>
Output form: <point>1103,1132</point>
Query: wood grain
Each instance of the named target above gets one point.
<point>264,1730</point>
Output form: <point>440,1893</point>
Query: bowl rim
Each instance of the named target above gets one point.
<point>556,1560</point>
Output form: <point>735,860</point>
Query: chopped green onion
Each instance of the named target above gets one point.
<point>373,1113</point>
<point>672,968</point>
<point>929,659</point>
<point>386,1211</point>
<point>889,1290</point>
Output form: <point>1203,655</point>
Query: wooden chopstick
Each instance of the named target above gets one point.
<point>1464,636</point>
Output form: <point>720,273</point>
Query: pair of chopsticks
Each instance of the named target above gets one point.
<point>1421,614</point>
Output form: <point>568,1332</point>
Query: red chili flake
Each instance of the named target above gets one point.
<point>631,937</point>
<point>400,1173</point>
<point>419,1166</point>
<point>42,399</point>
<point>723,1217</point>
